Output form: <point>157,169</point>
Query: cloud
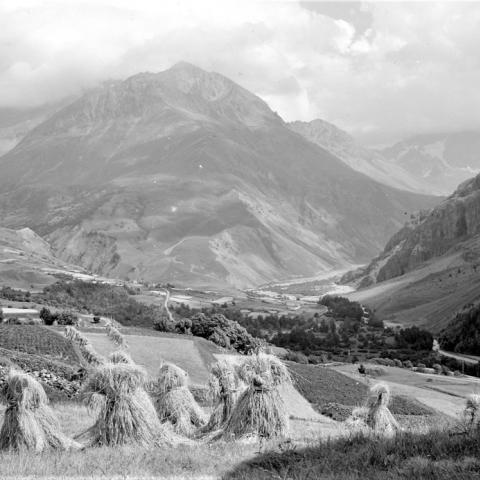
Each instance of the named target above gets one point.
<point>380,70</point>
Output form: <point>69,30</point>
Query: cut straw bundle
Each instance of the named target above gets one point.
<point>29,422</point>
<point>120,356</point>
<point>91,356</point>
<point>88,352</point>
<point>75,336</point>
<point>116,337</point>
<point>126,413</point>
<point>175,402</point>
<point>260,409</point>
<point>379,418</point>
<point>224,389</point>
<point>472,411</point>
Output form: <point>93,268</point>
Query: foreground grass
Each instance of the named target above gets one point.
<point>185,462</point>
<point>313,450</point>
<point>436,455</point>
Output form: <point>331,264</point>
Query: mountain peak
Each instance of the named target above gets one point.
<point>182,65</point>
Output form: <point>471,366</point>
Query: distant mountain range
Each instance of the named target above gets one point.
<point>363,159</point>
<point>185,176</point>
<point>430,269</point>
<point>442,161</point>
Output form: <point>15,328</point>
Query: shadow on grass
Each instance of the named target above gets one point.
<point>437,455</point>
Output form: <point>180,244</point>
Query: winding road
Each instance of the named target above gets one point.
<point>169,313</point>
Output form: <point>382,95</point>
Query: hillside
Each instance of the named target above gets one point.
<point>185,176</point>
<point>363,159</point>
<point>429,269</point>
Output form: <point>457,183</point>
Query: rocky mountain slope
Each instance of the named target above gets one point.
<point>432,264</point>
<point>15,123</point>
<point>441,160</point>
<point>185,176</point>
<point>360,158</point>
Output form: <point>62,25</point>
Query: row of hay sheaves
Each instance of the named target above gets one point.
<point>131,408</point>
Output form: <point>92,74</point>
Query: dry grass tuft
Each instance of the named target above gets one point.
<point>126,413</point>
<point>29,422</point>
<point>175,402</point>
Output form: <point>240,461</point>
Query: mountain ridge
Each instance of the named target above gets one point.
<point>185,176</point>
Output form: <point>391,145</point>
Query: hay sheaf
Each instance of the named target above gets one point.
<point>29,422</point>
<point>88,352</point>
<point>120,356</point>
<point>224,389</point>
<point>471,413</point>
<point>126,414</point>
<point>379,418</point>
<point>175,403</point>
<point>116,337</point>
<point>260,410</point>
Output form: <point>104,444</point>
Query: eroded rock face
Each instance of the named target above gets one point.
<point>429,234</point>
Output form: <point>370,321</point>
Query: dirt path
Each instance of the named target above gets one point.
<point>465,358</point>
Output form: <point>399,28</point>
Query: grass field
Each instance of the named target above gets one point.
<point>313,449</point>
<point>186,462</point>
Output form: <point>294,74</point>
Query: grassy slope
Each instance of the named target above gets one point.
<point>432,455</point>
<point>425,297</point>
<point>150,351</point>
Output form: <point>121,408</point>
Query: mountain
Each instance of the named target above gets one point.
<point>431,267</point>
<point>185,176</point>
<point>442,160</point>
<point>360,158</point>
<point>15,123</point>
<point>26,260</point>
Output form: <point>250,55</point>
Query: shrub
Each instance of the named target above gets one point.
<point>437,368</point>
<point>397,363</point>
<point>408,364</point>
<point>297,357</point>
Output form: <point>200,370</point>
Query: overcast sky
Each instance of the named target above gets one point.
<point>380,70</point>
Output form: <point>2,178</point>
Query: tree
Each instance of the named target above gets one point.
<point>1,315</point>
<point>46,316</point>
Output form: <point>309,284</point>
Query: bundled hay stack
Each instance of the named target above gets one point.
<point>120,356</point>
<point>472,411</point>
<point>175,402</point>
<point>260,409</point>
<point>379,418</point>
<point>75,336</point>
<point>116,337</point>
<point>29,422</point>
<point>126,413</point>
<point>91,356</point>
<point>88,352</point>
<point>224,389</point>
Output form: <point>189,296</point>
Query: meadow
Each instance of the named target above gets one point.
<point>312,450</point>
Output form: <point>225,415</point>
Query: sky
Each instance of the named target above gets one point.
<point>381,70</point>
